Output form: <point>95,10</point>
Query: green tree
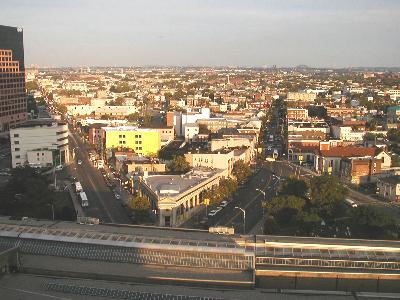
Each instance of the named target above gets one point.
<point>280,202</point>
<point>369,222</point>
<point>141,206</point>
<point>32,86</point>
<point>271,226</point>
<point>326,193</point>
<point>295,187</point>
<point>179,164</point>
<point>241,170</point>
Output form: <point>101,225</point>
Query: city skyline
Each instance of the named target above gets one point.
<point>208,33</point>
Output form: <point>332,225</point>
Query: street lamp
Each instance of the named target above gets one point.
<point>244,218</point>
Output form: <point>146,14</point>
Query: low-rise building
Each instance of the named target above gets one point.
<point>222,160</point>
<point>176,198</point>
<point>389,187</point>
<point>39,143</point>
<point>297,114</point>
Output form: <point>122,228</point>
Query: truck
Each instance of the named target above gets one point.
<point>78,187</point>
<point>84,199</point>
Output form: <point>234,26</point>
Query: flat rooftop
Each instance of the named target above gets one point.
<point>128,128</point>
<point>172,185</point>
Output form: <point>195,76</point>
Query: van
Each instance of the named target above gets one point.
<point>351,203</point>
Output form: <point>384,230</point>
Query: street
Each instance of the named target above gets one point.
<point>102,202</point>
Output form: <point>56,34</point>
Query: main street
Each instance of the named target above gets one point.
<point>102,202</point>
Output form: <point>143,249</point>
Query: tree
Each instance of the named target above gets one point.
<point>280,202</point>
<point>271,226</point>
<point>369,222</point>
<point>141,206</point>
<point>179,164</point>
<point>295,187</point>
<point>393,135</point>
<point>326,193</point>
<point>241,171</point>
<point>32,86</point>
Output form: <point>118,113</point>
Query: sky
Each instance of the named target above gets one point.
<point>251,33</point>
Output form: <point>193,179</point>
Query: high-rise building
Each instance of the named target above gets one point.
<point>13,103</point>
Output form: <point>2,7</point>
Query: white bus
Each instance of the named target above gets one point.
<point>84,199</point>
<point>351,202</point>
<point>78,187</point>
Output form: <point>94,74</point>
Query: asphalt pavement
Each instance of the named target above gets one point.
<point>102,202</point>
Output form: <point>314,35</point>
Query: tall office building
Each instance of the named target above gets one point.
<point>13,102</point>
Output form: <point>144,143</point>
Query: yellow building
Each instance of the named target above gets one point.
<point>143,141</point>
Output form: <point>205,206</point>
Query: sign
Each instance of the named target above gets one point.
<point>206,201</point>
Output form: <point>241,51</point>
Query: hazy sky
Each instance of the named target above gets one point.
<point>333,33</point>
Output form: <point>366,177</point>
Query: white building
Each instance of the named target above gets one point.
<point>176,198</point>
<point>39,143</point>
<point>180,119</point>
<point>191,130</point>
<point>222,160</point>
<point>346,133</point>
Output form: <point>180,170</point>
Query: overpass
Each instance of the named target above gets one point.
<point>192,257</point>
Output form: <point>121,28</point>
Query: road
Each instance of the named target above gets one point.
<point>249,199</point>
<point>102,203</point>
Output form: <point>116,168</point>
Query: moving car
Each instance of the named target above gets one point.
<point>79,162</point>
<point>223,203</point>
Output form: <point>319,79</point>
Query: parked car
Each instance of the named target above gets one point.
<point>59,168</point>
<point>79,162</point>
<point>117,196</point>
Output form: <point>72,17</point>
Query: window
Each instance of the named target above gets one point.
<point>16,135</point>
<point>16,149</point>
<point>17,156</point>
<point>37,154</point>
<point>16,142</point>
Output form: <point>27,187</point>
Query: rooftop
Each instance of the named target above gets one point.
<point>41,122</point>
<point>171,185</point>
<point>349,152</point>
<point>127,128</point>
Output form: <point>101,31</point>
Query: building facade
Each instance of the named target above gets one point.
<point>175,198</point>
<point>39,143</point>
<point>143,141</point>
<point>13,102</point>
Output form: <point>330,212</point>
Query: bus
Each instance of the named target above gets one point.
<point>84,199</point>
<point>78,187</point>
<point>351,202</point>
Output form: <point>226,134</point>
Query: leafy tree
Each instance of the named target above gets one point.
<point>369,222</point>
<point>280,202</point>
<point>241,171</point>
<point>123,87</point>
<point>179,164</point>
<point>326,193</point>
<point>141,206</point>
<point>295,187</point>
<point>393,135</point>
<point>32,86</point>
<point>271,226</point>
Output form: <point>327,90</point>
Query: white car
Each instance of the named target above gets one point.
<point>212,213</point>
<point>79,162</point>
<point>223,203</point>
<point>59,168</point>
<point>117,196</point>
